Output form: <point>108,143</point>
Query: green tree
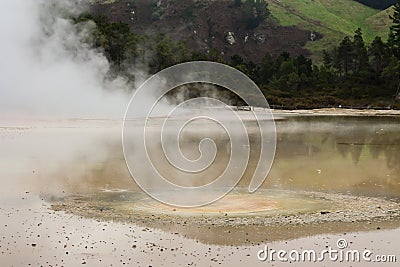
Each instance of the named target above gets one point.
<point>255,12</point>
<point>345,54</point>
<point>326,59</point>
<point>266,70</point>
<point>392,70</point>
<point>236,60</point>
<point>303,65</point>
<point>116,39</point>
<point>237,2</point>
<point>360,52</point>
<point>378,54</point>
<point>158,10</point>
<point>287,67</point>
<point>167,53</point>
<point>391,73</point>
<point>394,35</point>
<point>215,56</point>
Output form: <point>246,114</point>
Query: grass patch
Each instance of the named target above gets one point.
<point>333,18</point>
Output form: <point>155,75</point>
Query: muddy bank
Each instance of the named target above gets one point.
<point>31,234</point>
<point>339,112</point>
<point>315,213</point>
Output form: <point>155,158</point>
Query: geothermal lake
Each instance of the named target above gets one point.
<point>65,185</point>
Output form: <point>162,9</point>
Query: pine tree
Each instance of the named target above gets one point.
<point>255,12</point>
<point>394,35</point>
<point>360,52</point>
<point>378,53</point>
<point>266,69</point>
<point>345,54</point>
<point>327,59</point>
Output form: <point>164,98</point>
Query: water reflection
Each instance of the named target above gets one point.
<point>329,153</point>
<point>350,154</point>
<point>357,154</point>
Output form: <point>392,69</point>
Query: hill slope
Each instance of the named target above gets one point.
<point>334,19</point>
<point>203,24</point>
<point>380,22</point>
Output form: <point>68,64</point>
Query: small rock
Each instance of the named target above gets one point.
<point>230,38</point>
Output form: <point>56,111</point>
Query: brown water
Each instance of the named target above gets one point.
<point>340,156</point>
<point>356,155</point>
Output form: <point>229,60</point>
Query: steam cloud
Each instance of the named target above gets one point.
<point>48,68</point>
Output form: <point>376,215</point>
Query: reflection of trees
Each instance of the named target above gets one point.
<point>375,150</point>
<point>380,141</point>
<point>356,153</point>
<point>348,136</point>
<point>392,153</point>
<point>351,140</point>
<point>352,136</point>
<point>291,145</point>
<point>343,149</point>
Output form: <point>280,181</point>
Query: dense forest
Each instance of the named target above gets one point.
<point>353,74</point>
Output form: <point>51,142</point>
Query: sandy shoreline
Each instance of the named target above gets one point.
<point>49,238</point>
<point>23,123</point>
<point>340,112</point>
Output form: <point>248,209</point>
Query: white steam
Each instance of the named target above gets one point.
<point>48,68</point>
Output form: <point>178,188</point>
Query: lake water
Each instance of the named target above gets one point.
<point>80,163</point>
<point>347,154</point>
<point>358,155</point>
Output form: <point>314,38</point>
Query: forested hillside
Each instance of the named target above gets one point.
<point>355,67</point>
<point>333,19</point>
